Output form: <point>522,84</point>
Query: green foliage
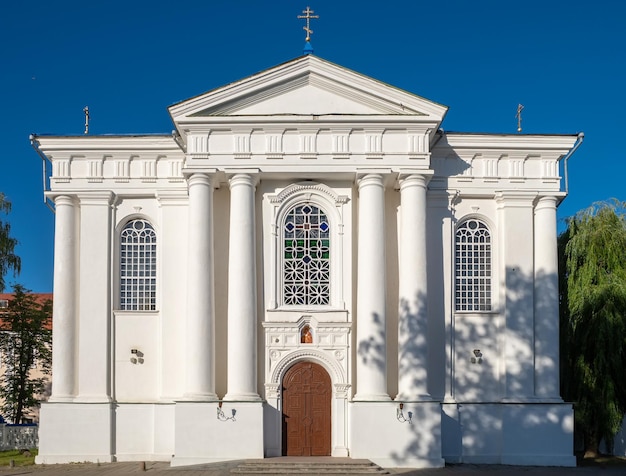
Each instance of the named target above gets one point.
<point>592,255</point>
<point>19,457</point>
<point>8,259</point>
<point>25,342</point>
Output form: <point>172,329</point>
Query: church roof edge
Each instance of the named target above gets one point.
<point>182,108</point>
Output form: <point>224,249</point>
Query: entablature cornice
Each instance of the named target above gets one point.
<point>67,146</point>
<point>297,120</point>
<point>314,141</point>
<point>510,141</point>
<point>488,187</point>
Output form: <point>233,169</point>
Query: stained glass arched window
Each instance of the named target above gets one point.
<point>473,266</point>
<point>138,266</point>
<point>306,256</point>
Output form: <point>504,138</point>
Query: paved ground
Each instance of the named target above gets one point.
<point>223,469</point>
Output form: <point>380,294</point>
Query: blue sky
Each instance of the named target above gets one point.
<point>565,61</point>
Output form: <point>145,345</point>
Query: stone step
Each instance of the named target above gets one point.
<point>325,468</point>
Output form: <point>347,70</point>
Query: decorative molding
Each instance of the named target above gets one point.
<point>272,390</point>
<point>61,170</point>
<point>148,171</point>
<point>304,187</point>
<point>94,170</point>
<point>241,143</point>
<point>122,170</point>
<point>342,390</point>
<point>336,371</point>
<point>175,170</point>
<point>274,145</point>
<point>341,145</point>
<point>198,145</point>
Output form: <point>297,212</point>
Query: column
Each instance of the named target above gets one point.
<point>242,299</point>
<point>371,358</point>
<point>546,300</point>
<point>200,332</point>
<point>413,315</point>
<point>64,304</point>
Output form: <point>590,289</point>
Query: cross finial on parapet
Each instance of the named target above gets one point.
<point>308,16</point>
<point>519,117</point>
<point>86,111</point>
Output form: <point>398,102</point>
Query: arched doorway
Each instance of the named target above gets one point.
<point>307,394</point>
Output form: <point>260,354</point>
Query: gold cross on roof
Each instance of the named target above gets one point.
<point>308,16</point>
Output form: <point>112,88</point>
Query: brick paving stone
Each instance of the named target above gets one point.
<point>223,469</point>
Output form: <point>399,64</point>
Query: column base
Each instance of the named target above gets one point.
<point>200,397</point>
<point>242,397</point>
<point>413,398</point>
<point>371,397</point>
<point>61,399</point>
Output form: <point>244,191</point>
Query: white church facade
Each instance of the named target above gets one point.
<point>308,265</point>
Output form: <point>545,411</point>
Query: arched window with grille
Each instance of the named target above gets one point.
<point>473,266</point>
<point>306,256</point>
<point>138,265</point>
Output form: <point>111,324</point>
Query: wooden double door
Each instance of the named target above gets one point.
<point>307,394</point>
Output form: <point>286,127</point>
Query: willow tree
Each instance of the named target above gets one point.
<point>8,259</point>
<point>593,320</point>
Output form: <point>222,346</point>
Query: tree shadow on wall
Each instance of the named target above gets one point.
<point>423,441</point>
<point>500,358</point>
<point>507,356</point>
<point>372,351</point>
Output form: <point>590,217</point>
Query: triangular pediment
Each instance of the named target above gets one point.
<point>306,86</point>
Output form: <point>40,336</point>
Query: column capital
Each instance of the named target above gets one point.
<point>413,179</point>
<point>546,202</point>
<point>243,178</point>
<point>64,200</point>
<point>199,178</point>
<point>370,179</point>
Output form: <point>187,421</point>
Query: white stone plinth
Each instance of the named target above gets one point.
<point>378,434</point>
<point>201,437</point>
<point>537,434</point>
<point>75,433</point>
<point>144,432</point>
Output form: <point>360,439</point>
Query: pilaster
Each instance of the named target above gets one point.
<point>173,287</point>
<point>515,223</point>
<point>94,347</point>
